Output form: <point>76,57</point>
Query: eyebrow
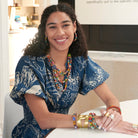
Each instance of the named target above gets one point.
<point>66,21</point>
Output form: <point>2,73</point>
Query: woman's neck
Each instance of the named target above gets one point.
<point>59,58</point>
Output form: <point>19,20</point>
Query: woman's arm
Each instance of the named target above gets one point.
<point>110,100</point>
<point>106,95</point>
<point>44,118</point>
<point>47,120</point>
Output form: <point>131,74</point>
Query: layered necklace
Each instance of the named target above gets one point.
<point>57,72</point>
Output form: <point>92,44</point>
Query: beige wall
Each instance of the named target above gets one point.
<point>123,80</point>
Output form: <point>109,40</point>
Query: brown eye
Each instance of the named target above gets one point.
<point>66,25</point>
<point>52,27</point>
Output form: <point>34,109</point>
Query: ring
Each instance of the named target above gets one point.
<point>99,127</point>
<point>112,116</point>
<point>135,126</point>
<point>104,112</point>
<point>107,114</point>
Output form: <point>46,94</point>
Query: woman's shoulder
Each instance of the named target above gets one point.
<point>28,59</point>
<point>79,59</point>
<point>82,60</point>
<point>79,63</point>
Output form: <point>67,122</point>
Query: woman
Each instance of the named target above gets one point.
<point>55,68</point>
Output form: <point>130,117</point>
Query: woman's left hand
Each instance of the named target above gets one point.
<point>110,119</point>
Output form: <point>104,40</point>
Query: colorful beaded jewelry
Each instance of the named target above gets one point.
<point>57,72</point>
<point>74,116</point>
<point>93,124</point>
<point>75,36</point>
<point>46,39</point>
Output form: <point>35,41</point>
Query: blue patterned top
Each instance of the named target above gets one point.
<point>34,76</point>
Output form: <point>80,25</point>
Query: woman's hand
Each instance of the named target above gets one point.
<point>109,119</point>
<point>126,128</point>
<point>119,127</point>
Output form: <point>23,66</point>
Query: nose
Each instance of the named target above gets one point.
<point>60,31</point>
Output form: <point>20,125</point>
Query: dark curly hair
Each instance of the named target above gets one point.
<point>38,46</point>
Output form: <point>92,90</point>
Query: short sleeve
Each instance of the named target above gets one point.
<point>25,82</point>
<point>93,76</point>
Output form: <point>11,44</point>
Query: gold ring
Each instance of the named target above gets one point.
<point>107,114</point>
<point>135,126</point>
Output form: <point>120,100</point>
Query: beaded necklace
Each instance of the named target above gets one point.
<point>57,72</point>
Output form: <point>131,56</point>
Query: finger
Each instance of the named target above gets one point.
<point>108,119</point>
<point>99,122</point>
<point>124,131</point>
<point>103,111</point>
<point>115,120</point>
<point>129,127</point>
<point>135,126</point>
<point>103,121</point>
<point>105,118</point>
<point>106,124</point>
<point>132,130</point>
<point>132,127</point>
<point>128,132</point>
<point>113,124</point>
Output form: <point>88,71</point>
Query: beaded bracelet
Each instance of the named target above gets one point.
<point>74,116</point>
<point>112,106</point>
<point>93,124</point>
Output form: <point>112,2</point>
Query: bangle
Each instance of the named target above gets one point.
<point>86,122</point>
<point>79,121</point>
<point>112,106</point>
<point>74,120</point>
<point>93,124</point>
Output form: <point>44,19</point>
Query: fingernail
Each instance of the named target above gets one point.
<point>99,127</point>
<point>105,130</point>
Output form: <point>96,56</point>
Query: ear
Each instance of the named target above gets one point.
<point>75,26</point>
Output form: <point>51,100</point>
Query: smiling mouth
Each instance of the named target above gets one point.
<point>61,40</point>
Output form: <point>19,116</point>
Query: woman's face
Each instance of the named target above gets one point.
<point>60,31</point>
